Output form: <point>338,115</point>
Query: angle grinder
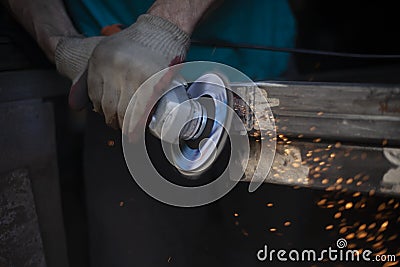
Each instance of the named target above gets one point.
<point>194,116</point>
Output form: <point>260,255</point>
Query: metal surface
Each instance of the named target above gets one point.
<point>346,112</point>
<point>332,167</point>
<point>333,136</point>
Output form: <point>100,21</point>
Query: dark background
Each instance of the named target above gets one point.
<point>340,26</point>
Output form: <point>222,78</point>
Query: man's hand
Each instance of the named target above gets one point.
<point>122,62</point>
<point>72,55</point>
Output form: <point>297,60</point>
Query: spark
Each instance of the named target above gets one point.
<point>337,215</point>
<point>384,225</point>
<point>361,235</point>
<point>371,226</point>
<point>362,227</point>
<point>287,223</point>
<point>245,233</point>
<point>350,236</point>
<point>390,263</point>
<point>351,246</point>
<point>377,245</point>
<point>348,205</point>
<point>382,206</point>
<point>110,142</point>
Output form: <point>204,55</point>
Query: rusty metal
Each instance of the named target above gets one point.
<point>335,111</point>
<point>341,137</point>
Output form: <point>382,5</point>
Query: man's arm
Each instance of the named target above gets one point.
<point>45,20</point>
<point>183,13</point>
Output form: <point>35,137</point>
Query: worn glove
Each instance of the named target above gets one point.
<point>122,62</point>
<point>72,55</point>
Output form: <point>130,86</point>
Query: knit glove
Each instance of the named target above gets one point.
<point>71,57</point>
<point>122,62</point>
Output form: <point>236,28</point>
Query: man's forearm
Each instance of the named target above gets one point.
<point>45,20</point>
<point>183,13</point>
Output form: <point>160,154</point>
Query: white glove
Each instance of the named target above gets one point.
<point>72,54</point>
<point>122,62</point>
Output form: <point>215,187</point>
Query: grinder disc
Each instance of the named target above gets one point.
<point>195,155</point>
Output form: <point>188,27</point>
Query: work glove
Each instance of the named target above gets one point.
<point>71,58</point>
<point>122,62</point>
<point>72,55</point>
